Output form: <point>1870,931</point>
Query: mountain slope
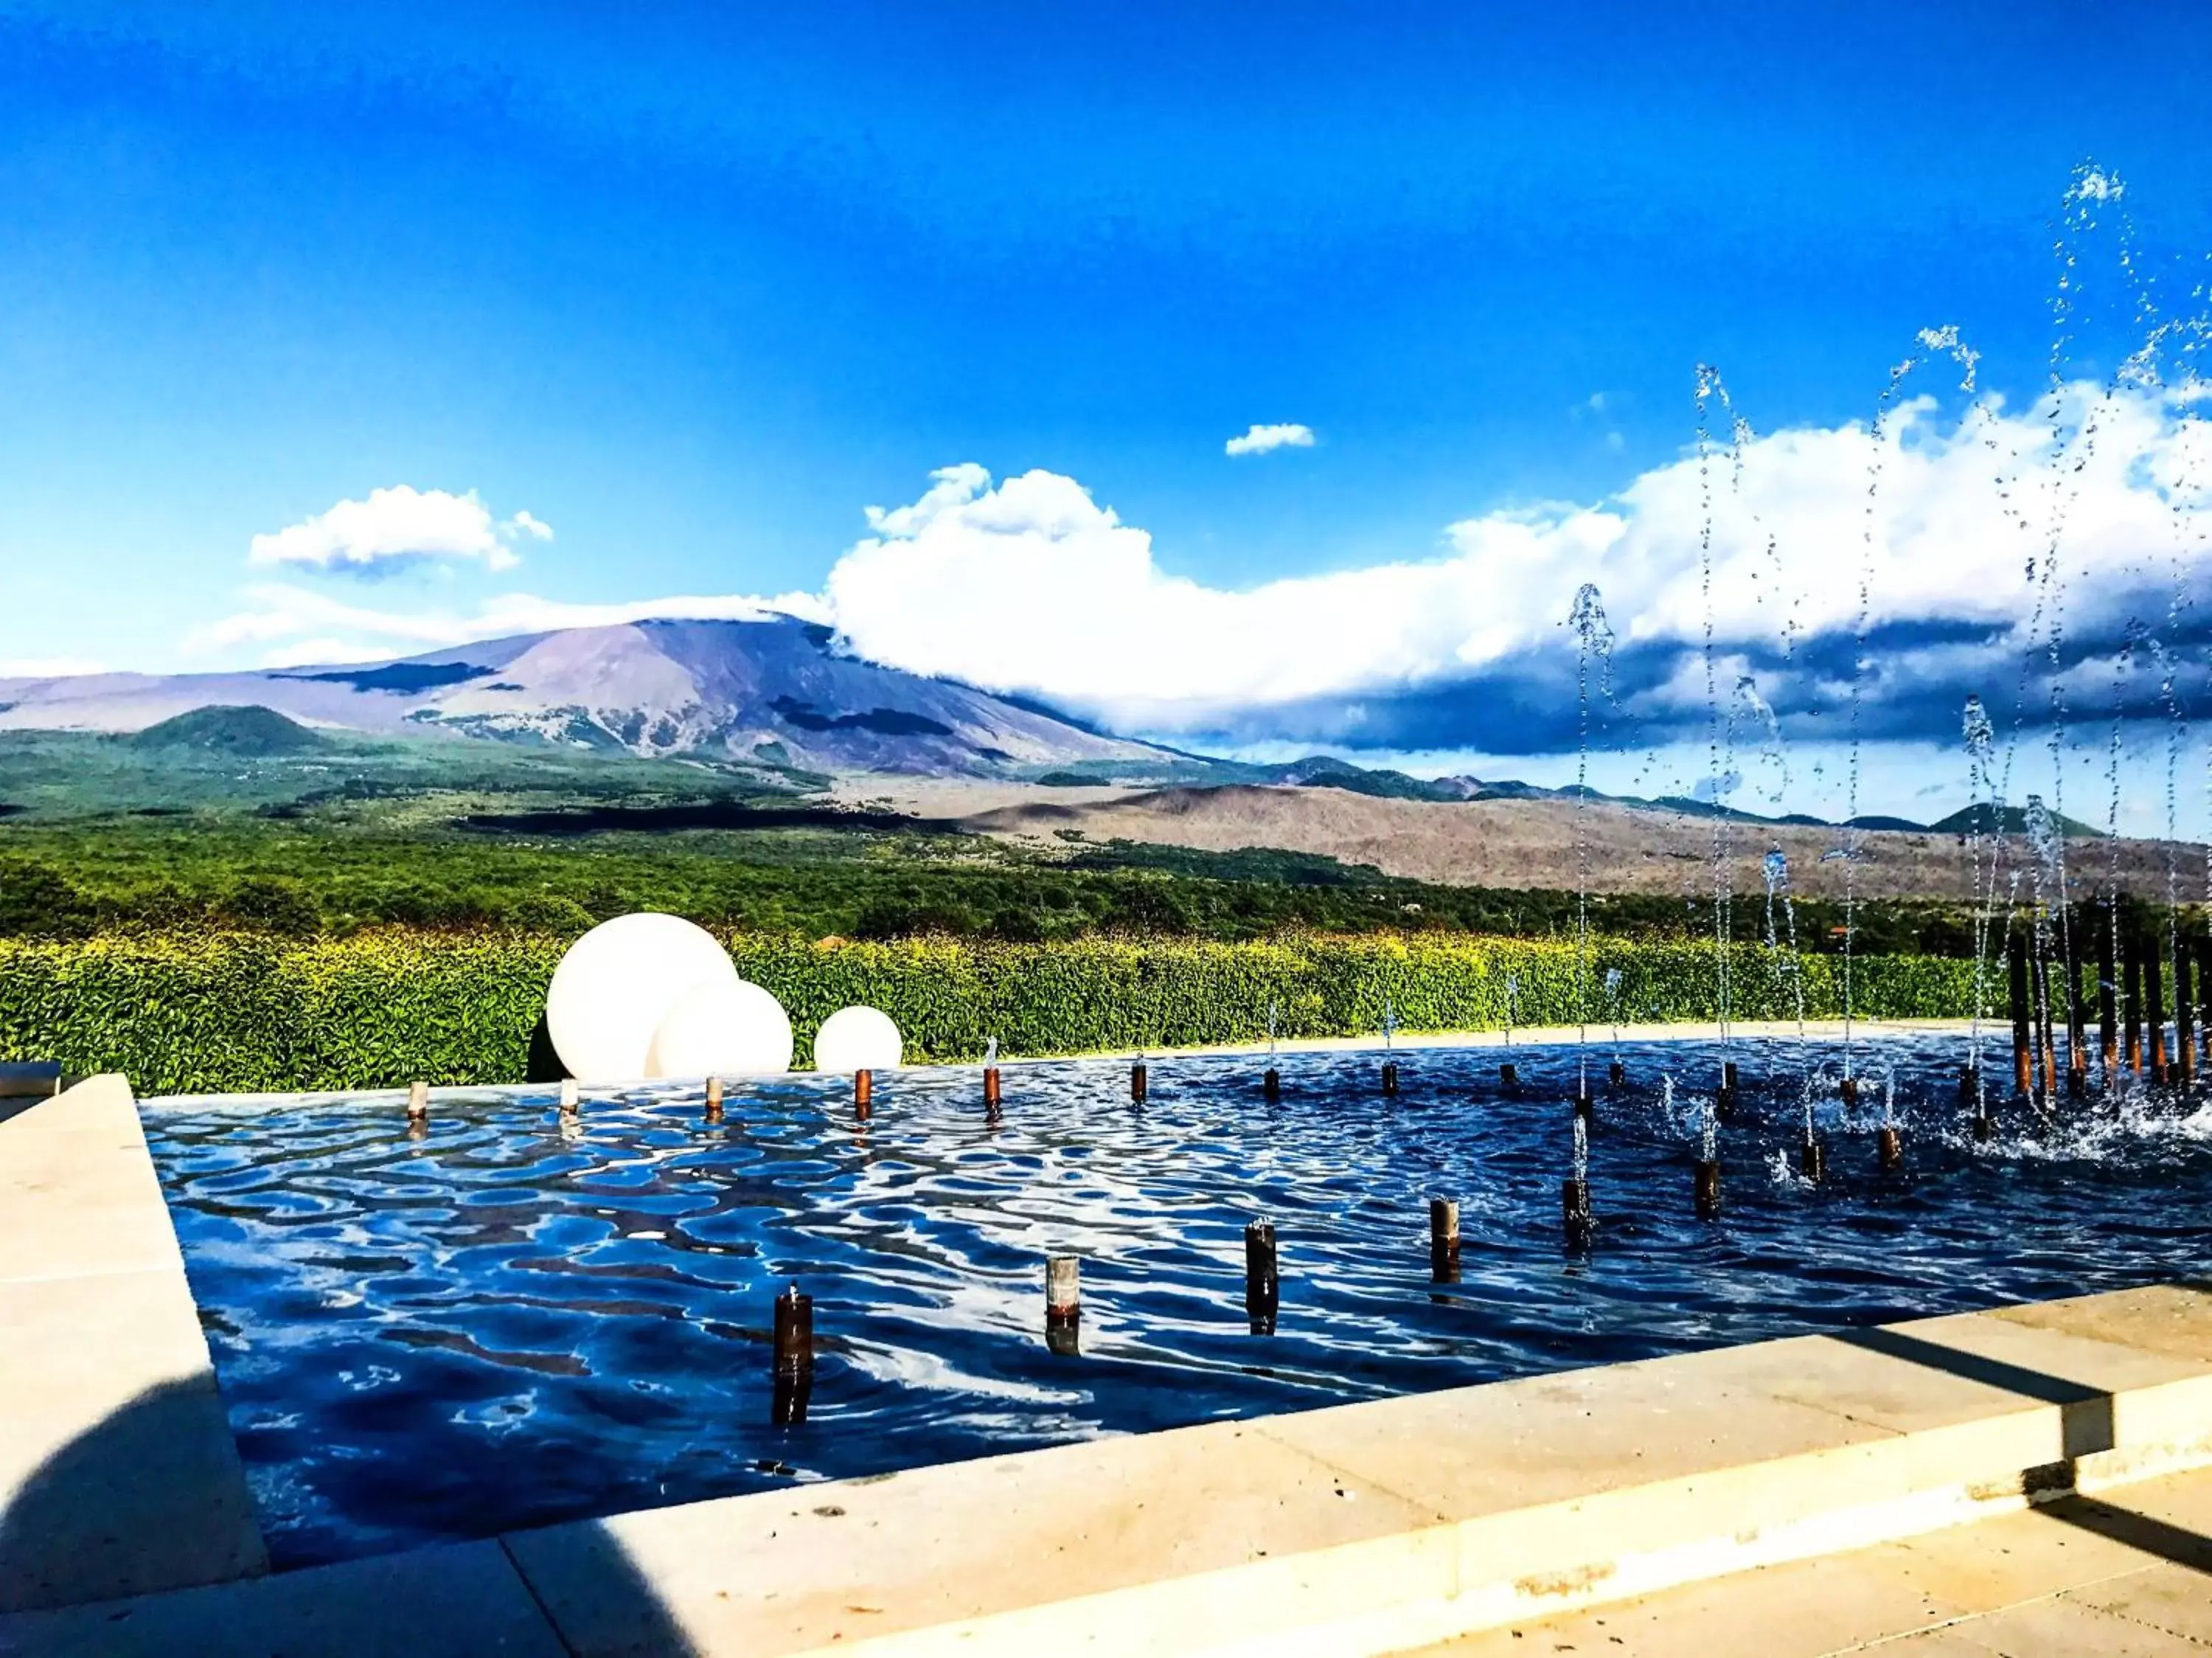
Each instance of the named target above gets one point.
<point>1528,843</point>
<point>775,690</point>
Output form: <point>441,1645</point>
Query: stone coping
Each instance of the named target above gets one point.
<point>1367,1528</point>
<point>117,1472</point>
<point>2122,1574</point>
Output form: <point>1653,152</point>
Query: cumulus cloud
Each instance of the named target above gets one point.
<point>1258,439</point>
<point>1030,585</point>
<point>400,525</point>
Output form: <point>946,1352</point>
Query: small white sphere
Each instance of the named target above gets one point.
<point>616,985</point>
<point>717,1029</point>
<point>857,1039</point>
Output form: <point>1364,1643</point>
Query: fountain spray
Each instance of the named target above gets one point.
<point>1980,736</point>
<point>1593,638</point>
<point>1776,868</point>
<point>1932,342</point>
<point>1708,1169</point>
<point>1708,385</point>
<point>2092,190</point>
<point>2185,1066</point>
<point>1507,1073</point>
<point>1618,1073</point>
<point>1574,1192</point>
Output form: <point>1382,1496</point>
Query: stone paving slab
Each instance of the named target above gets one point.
<point>119,1474</point>
<point>78,1192</point>
<point>455,1602</point>
<point>826,1566</point>
<point>2177,1599</point>
<point>2166,1318</point>
<point>118,1470</point>
<point>2062,1627</point>
<point>2058,1580</point>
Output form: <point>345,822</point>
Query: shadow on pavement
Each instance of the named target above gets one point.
<point>134,1539</point>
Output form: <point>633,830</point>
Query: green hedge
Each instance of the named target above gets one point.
<point>240,1012</point>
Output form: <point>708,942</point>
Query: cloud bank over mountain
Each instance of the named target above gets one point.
<point>1974,547</point>
<point>1972,551</point>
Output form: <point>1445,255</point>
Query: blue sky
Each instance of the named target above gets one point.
<point>694,286</point>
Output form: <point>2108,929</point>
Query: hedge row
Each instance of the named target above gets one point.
<point>240,1012</point>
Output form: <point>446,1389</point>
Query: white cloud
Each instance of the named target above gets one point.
<point>1030,585</point>
<point>298,624</point>
<point>397,524</point>
<point>49,668</point>
<point>1261,439</point>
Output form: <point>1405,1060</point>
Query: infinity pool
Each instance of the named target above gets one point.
<point>514,1320</point>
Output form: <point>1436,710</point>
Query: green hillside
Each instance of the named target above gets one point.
<point>251,732</point>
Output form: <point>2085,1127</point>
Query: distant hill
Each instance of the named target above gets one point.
<point>1314,771</point>
<point>1980,819</point>
<point>776,692</point>
<point>250,732</point>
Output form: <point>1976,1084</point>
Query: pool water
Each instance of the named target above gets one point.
<point>514,1320</point>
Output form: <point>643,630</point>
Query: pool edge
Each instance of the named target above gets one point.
<point>119,1472</point>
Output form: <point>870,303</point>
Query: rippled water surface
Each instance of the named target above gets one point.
<point>510,1321</point>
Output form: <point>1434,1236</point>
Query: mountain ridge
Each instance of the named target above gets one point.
<point>773,689</point>
<point>773,694</point>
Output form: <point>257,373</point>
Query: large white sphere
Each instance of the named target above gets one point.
<point>616,983</point>
<point>719,1029</point>
<point>857,1039</point>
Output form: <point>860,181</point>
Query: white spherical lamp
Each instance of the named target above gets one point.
<point>857,1039</point>
<point>616,983</point>
<point>722,1029</point>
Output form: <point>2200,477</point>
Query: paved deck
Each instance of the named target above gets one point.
<point>2128,1575</point>
<point>117,1472</point>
